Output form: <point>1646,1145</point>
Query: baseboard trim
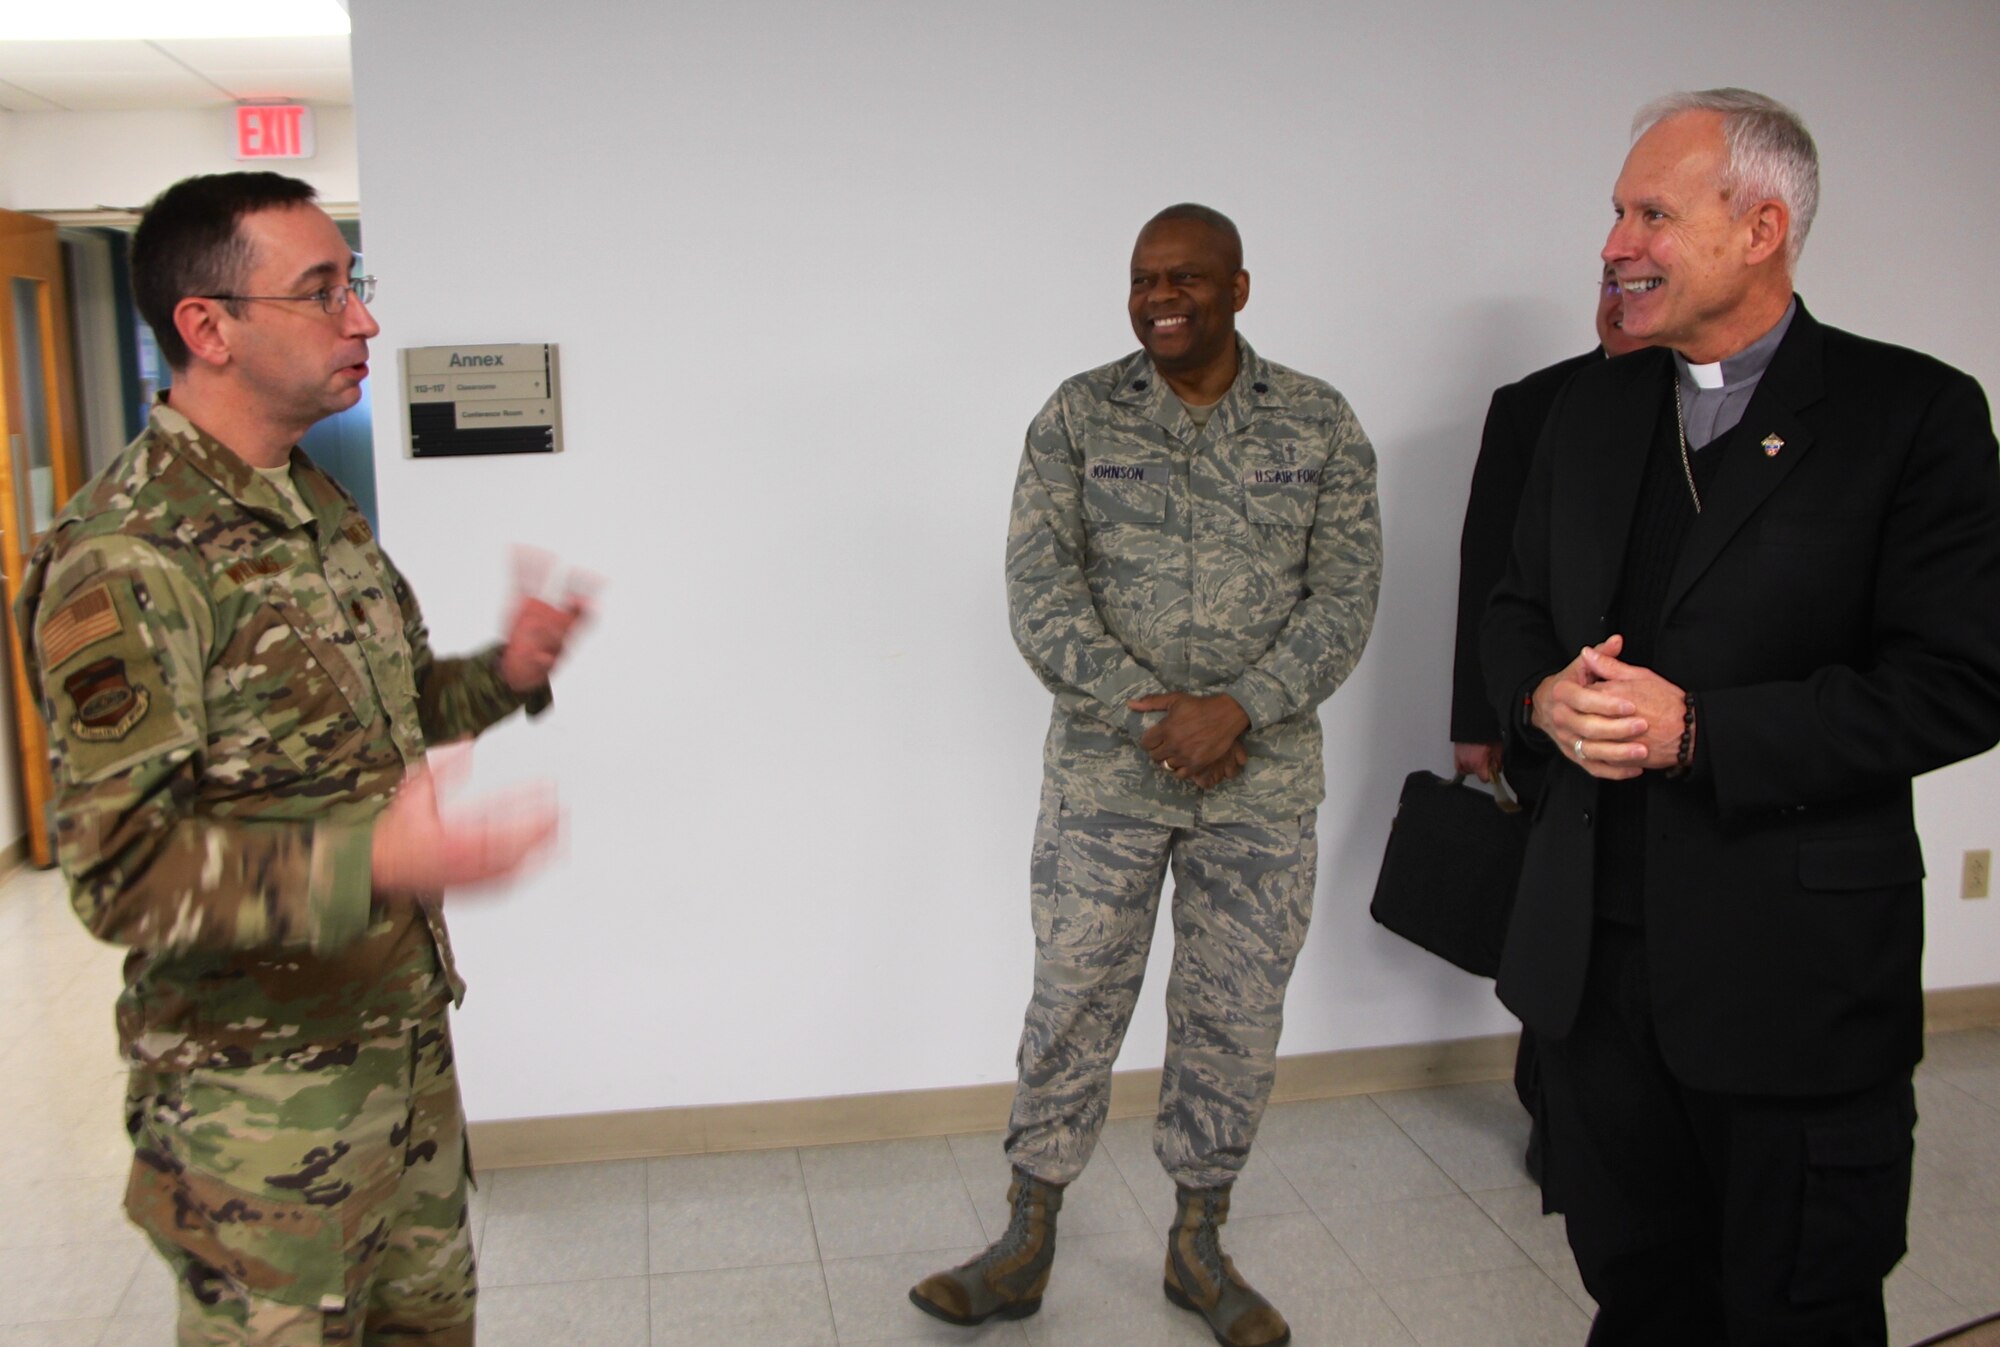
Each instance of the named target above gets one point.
<point>773,1124</point>
<point>13,856</point>
<point>766,1125</point>
<point>1952,1008</point>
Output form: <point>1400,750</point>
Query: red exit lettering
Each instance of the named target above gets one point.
<point>274,131</point>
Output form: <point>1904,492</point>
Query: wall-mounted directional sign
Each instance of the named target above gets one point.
<point>481,400</point>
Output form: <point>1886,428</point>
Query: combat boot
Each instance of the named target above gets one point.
<point>1009,1278</point>
<point>1201,1278</point>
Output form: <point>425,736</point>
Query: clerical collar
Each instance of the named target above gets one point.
<point>1743,367</point>
<point>1714,397</point>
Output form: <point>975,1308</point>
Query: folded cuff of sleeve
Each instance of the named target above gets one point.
<point>534,702</point>
<point>1527,734</point>
<point>340,889</point>
<point>1120,686</point>
<point>1261,696</point>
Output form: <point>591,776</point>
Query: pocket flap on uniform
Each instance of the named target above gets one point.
<point>1879,862</point>
<point>1281,496</point>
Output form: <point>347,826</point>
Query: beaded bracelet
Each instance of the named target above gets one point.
<point>1684,759</point>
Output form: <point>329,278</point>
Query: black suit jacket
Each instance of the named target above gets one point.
<point>1506,447</point>
<point>1836,609</point>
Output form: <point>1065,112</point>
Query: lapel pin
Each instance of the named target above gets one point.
<point>1772,444</point>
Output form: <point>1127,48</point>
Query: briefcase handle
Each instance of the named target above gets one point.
<point>1503,797</point>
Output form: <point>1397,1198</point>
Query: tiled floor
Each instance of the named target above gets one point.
<point>1388,1219</point>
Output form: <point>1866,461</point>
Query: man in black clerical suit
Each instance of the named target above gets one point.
<point>1752,594</point>
<point>1506,446</point>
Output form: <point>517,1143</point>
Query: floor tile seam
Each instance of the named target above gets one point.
<point>646,1192</point>
<point>965,1183</point>
<point>1345,1252</point>
<point>27,1323</point>
<point>1584,1307</point>
<point>1903,1266</point>
<point>1550,1273</point>
<point>1409,1330</point>
<point>1428,1154</point>
<point>826,1287</point>
<point>1309,1205</point>
<point>1946,1078</point>
<point>1530,1266</point>
<point>1112,1156</point>
<point>139,1265</point>
<point>1525,1250</point>
<point>792,1261</point>
<point>566,1209</point>
<point>812,1218</point>
<point>1532,1261</point>
<point>485,1285</point>
<point>1275,1155</point>
<point>38,1323</point>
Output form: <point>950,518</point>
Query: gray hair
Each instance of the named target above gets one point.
<point>1768,153</point>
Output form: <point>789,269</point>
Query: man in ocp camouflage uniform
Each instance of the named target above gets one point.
<point>240,692</point>
<point>1192,568</point>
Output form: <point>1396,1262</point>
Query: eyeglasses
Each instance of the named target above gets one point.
<point>332,298</point>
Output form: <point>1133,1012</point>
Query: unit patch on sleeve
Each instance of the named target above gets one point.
<point>107,705</point>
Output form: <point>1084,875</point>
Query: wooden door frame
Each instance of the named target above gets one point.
<point>30,249</point>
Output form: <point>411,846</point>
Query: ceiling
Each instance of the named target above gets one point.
<point>162,73</point>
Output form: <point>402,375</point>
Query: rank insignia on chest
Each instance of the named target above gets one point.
<point>1772,444</point>
<point>107,705</point>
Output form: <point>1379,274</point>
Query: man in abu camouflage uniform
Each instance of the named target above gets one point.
<point>240,692</point>
<point>1192,568</point>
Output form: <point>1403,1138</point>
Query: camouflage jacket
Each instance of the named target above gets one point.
<point>233,693</point>
<point>1146,556</point>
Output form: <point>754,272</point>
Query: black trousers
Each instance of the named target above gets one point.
<point>1700,1218</point>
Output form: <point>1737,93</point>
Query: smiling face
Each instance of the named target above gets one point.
<point>1188,284</point>
<point>299,363</point>
<point>1611,334</point>
<point>1697,274</point>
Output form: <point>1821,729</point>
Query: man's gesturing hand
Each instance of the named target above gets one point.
<point>418,851</point>
<point>537,630</point>
<point>1195,733</point>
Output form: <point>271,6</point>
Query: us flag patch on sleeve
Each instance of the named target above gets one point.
<point>85,620</point>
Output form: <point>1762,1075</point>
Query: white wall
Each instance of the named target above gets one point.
<point>6,156</point>
<point>13,820</point>
<point>813,267</point>
<point>68,161</point>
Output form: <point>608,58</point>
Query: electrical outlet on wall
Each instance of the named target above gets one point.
<point>1978,879</point>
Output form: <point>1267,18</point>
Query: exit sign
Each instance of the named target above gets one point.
<point>274,131</point>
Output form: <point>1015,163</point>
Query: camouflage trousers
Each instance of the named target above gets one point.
<point>311,1200</point>
<point>1243,894</point>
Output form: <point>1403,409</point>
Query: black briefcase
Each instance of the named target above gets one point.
<point>1449,872</point>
